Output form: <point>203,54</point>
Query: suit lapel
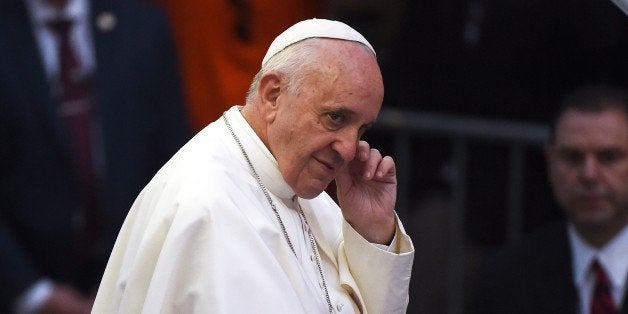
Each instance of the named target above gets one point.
<point>103,25</point>
<point>553,289</point>
<point>29,85</point>
<point>108,98</point>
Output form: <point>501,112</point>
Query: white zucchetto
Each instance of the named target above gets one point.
<point>314,28</point>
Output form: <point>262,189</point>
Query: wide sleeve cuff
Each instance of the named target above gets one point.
<point>382,275</point>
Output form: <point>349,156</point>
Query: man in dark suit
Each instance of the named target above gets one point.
<point>580,266</point>
<point>51,260</point>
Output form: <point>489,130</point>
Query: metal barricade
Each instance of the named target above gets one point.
<point>459,131</point>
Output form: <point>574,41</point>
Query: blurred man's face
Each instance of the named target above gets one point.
<point>588,169</point>
<point>315,132</point>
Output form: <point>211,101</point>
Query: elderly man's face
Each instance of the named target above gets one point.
<point>588,167</point>
<point>315,132</point>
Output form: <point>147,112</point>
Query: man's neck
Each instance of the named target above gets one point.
<point>598,237</point>
<point>252,115</point>
<point>58,4</point>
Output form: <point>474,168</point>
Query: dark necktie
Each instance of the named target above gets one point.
<point>602,301</point>
<point>75,110</point>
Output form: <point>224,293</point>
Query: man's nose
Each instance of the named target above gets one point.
<point>590,168</point>
<point>346,144</point>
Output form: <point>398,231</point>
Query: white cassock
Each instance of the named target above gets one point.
<point>202,238</point>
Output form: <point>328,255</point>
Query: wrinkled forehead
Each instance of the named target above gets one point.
<point>591,117</point>
<point>607,127</point>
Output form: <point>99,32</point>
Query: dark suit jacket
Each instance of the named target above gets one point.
<point>138,100</point>
<point>533,277</point>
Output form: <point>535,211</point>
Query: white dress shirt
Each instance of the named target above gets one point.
<point>613,258</point>
<point>80,34</point>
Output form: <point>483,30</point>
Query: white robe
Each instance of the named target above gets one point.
<point>202,238</point>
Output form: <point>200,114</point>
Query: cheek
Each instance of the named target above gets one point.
<point>619,182</point>
<point>563,182</point>
<point>293,158</point>
<point>559,175</point>
<point>302,155</point>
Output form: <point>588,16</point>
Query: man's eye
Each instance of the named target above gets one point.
<point>610,156</point>
<point>336,118</point>
<point>571,157</point>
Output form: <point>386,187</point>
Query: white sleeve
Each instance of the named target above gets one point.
<point>382,275</point>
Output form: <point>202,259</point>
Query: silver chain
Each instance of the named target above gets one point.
<point>318,262</point>
<point>261,184</point>
<point>281,224</point>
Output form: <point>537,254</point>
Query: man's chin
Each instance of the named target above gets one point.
<point>595,218</point>
<point>313,190</point>
<point>309,194</point>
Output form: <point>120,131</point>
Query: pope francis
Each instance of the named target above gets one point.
<point>238,220</point>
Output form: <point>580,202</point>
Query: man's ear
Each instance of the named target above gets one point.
<point>269,90</point>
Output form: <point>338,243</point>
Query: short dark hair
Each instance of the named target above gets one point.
<point>591,99</point>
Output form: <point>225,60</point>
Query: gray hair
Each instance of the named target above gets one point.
<point>293,63</point>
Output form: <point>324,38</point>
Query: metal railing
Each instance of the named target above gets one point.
<point>405,125</point>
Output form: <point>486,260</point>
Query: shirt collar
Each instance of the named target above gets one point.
<point>263,160</point>
<point>613,257</point>
<point>42,12</point>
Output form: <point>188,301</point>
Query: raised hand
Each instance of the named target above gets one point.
<point>367,191</point>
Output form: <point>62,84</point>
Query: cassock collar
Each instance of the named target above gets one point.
<point>263,160</point>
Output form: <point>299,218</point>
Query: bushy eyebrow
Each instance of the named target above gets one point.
<point>349,113</point>
<point>368,126</point>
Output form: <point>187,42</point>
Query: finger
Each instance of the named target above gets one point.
<point>363,151</point>
<point>386,170</point>
<point>372,164</point>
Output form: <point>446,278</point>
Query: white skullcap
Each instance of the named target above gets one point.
<point>311,28</point>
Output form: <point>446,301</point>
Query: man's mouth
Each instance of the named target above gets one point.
<point>329,166</point>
